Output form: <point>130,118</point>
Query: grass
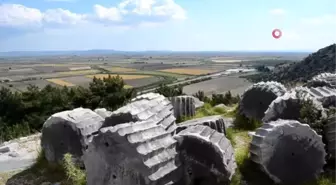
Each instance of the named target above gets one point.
<point>67,173</point>
<point>80,72</point>
<point>124,77</point>
<point>60,82</point>
<point>188,71</point>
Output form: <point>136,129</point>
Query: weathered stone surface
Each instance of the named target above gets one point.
<point>258,97</point>
<point>323,79</point>
<point>288,151</point>
<point>134,153</point>
<point>147,106</point>
<point>325,95</point>
<point>207,156</point>
<point>184,106</point>
<point>217,123</point>
<point>69,132</point>
<point>288,106</point>
<point>103,112</point>
<point>330,133</point>
<point>198,103</point>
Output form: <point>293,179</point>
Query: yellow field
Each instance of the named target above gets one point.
<point>127,86</point>
<point>124,77</point>
<point>121,69</point>
<point>188,71</point>
<point>81,72</point>
<point>60,82</point>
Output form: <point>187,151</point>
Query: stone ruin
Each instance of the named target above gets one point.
<point>289,105</point>
<point>137,145</point>
<point>258,97</point>
<point>324,94</point>
<point>217,123</point>
<point>184,106</point>
<point>323,79</point>
<point>69,132</point>
<point>207,156</point>
<point>283,148</point>
<point>330,133</point>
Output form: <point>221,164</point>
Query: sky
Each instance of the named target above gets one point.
<point>176,25</point>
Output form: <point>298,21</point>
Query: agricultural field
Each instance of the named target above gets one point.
<point>120,69</point>
<point>81,72</point>
<point>125,77</point>
<point>219,85</point>
<point>22,86</point>
<point>60,82</point>
<point>188,71</point>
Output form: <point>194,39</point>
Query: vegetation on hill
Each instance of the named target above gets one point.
<point>24,113</point>
<point>321,61</point>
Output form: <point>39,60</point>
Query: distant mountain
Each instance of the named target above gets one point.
<point>324,60</point>
<point>149,52</point>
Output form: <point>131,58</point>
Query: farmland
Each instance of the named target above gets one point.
<point>139,70</point>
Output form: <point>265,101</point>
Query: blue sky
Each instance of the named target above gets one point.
<point>179,25</point>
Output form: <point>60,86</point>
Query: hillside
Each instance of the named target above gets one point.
<point>321,61</point>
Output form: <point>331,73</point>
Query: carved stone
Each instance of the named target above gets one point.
<point>258,97</point>
<point>289,105</point>
<point>323,79</point>
<point>69,132</point>
<point>217,123</point>
<point>330,133</point>
<point>288,151</point>
<point>207,156</point>
<point>136,146</point>
<point>103,112</point>
<point>184,106</point>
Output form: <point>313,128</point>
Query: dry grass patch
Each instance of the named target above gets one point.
<point>124,77</point>
<point>80,72</point>
<point>121,69</point>
<point>60,82</point>
<point>188,71</point>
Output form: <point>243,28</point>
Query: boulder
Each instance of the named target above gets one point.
<point>136,146</point>
<point>69,132</point>
<point>103,112</point>
<point>289,105</point>
<point>144,107</point>
<point>258,97</point>
<point>288,151</point>
<point>217,123</point>
<point>184,106</point>
<point>207,156</point>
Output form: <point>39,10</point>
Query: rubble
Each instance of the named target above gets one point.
<point>207,156</point>
<point>283,149</point>
<point>325,95</point>
<point>323,79</point>
<point>217,123</point>
<point>289,105</point>
<point>258,97</point>
<point>184,106</point>
<point>135,146</point>
<point>69,132</point>
<point>103,112</point>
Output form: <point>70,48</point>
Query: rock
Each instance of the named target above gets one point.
<point>207,156</point>
<point>217,123</point>
<point>69,132</point>
<point>184,106</point>
<point>147,106</point>
<point>323,79</point>
<point>4,149</point>
<point>103,112</point>
<point>330,133</point>
<point>198,103</point>
<point>136,146</point>
<point>221,106</point>
<point>288,152</point>
<point>258,97</point>
<point>46,183</point>
<point>13,154</point>
<point>289,105</point>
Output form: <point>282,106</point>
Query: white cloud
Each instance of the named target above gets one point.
<point>19,15</point>
<point>128,12</point>
<point>321,20</point>
<point>277,11</point>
